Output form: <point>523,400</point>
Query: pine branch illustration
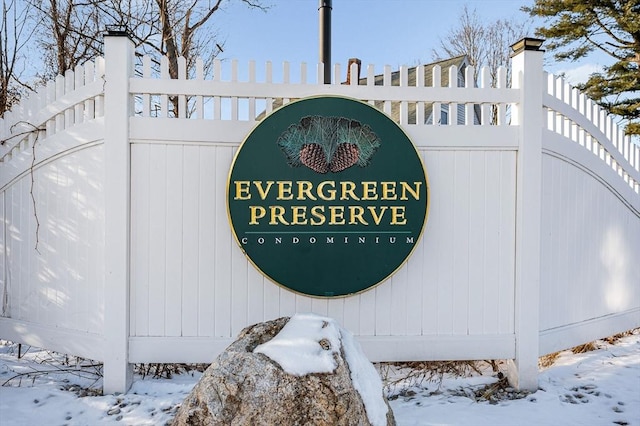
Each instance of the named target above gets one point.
<point>328,143</point>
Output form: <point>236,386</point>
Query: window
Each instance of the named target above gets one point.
<point>444,114</point>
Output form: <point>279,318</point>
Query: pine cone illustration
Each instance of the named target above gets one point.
<point>346,155</point>
<point>326,144</point>
<point>312,155</point>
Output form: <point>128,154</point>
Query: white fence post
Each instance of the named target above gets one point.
<point>118,52</point>
<point>528,115</point>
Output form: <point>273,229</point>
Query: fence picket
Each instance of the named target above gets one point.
<point>353,74</point>
<point>217,70</point>
<point>69,80</point>
<point>51,97</point>
<point>199,99</point>
<point>436,110</point>
<point>199,73</point>
<point>485,108</point>
<point>582,109</point>
<point>286,78</point>
<point>99,99</point>
<point>501,83</point>
<point>453,107</point>
<point>58,94</point>
<point>387,83</point>
<point>404,82</point>
<point>164,98</point>
<point>89,104</point>
<point>286,72</point>
<point>603,128</point>
<point>78,109</point>
<point>371,75</point>
<point>303,73</point>
<point>337,74</point>
<point>550,116</point>
<point>234,108</point>
<point>566,98</point>
<point>574,104</point>
<point>559,120</point>
<point>420,106</point>
<point>469,82</point>
<point>182,99</point>
<point>146,97</point>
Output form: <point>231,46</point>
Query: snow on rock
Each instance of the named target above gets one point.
<point>365,379</point>
<point>295,348</point>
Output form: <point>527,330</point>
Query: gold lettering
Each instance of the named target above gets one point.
<point>374,215</point>
<point>415,192</point>
<point>299,215</point>
<point>255,213</point>
<point>369,191</point>
<point>388,191</point>
<point>347,191</point>
<point>284,190</point>
<point>277,215</point>
<point>263,191</point>
<point>331,193</point>
<point>336,215</point>
<point>397,215</point>
<point>242,190</point>
<point>304,190</point>
<point>355,215</point>
<point>318,215</point>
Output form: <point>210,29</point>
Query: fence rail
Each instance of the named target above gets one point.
<point>397,94</point>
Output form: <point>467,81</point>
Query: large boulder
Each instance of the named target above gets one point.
<point>306,370</point>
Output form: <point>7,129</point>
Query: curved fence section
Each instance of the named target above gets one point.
<point>590,222</point>
<point>52,203</point>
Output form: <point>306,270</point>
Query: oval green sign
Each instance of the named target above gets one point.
<point>327,196</point>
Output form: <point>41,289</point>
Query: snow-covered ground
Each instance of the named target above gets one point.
<point>600,387</point>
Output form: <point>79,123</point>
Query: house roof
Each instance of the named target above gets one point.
<point>459,61</point>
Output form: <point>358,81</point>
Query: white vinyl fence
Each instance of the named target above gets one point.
<point>115,243</point>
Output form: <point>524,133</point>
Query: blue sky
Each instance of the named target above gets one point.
<point>380,32</point>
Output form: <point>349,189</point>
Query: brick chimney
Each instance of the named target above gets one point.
<point>353,61</point>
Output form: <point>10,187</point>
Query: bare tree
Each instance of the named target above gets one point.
<point>69,34</point>
<point>183,27</point>
<point>14,35</point>
<point>174,29</point>
<point>468,38</point>
<point>500,35</point>
<point>485,44</point>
